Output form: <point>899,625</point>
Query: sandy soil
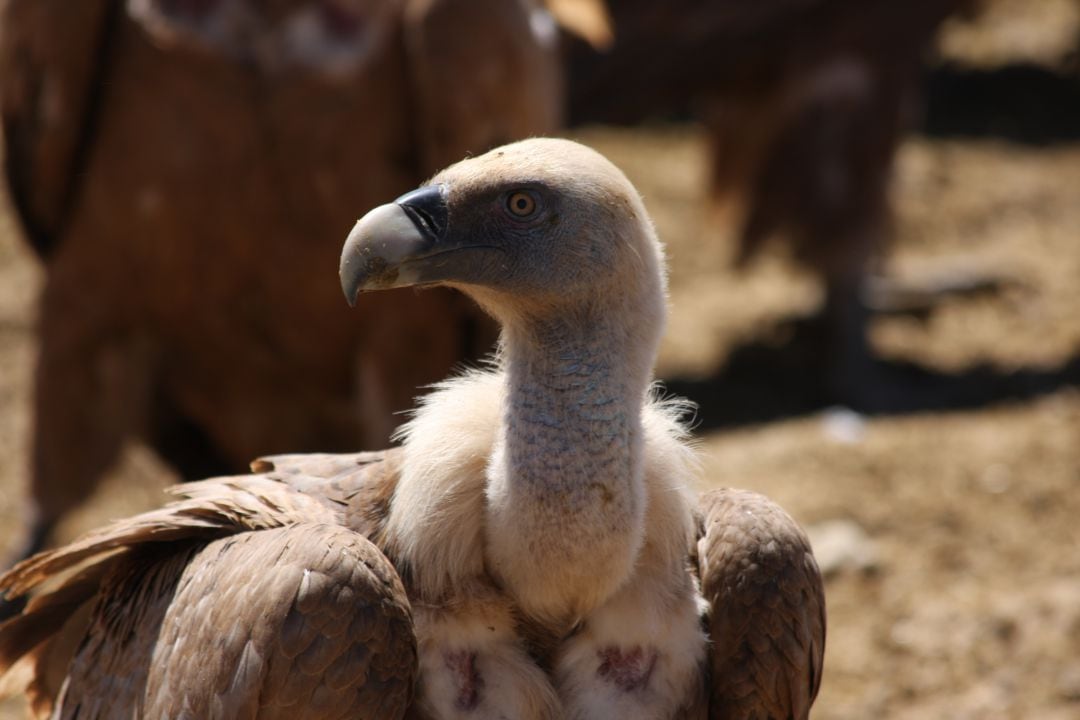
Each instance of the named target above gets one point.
<point>1037,31</point>
<point>966,603</point>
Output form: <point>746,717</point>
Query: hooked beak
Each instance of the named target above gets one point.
<point>394,244</point>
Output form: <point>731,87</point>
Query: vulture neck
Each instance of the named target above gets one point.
<point>575,389</point>
<point>566,482</point>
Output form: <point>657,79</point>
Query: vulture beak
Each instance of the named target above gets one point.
<point>398,244</point>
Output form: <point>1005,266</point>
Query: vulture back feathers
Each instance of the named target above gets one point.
<point>532,550</point>
<point>186,169</point>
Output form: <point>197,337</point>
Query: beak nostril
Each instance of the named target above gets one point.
<point>423,218</point>
<point>426,207</point>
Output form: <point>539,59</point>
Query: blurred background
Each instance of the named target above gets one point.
<point>872,213</point>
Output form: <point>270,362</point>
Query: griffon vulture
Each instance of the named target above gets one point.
<point>185,169</point>
<point>538,514</point>
<point>804,103</point>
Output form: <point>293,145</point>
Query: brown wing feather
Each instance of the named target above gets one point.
<point>361,483</point>
<point>52,56</point>
<point>767,609</point>
<point>308,620</point>
<point>346,493</point>
<point>211,508</point>
<point>289,489</point>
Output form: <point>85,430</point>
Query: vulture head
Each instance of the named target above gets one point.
<point>534,231</point>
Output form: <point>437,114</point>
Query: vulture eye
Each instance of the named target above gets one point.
<point>521,204</point>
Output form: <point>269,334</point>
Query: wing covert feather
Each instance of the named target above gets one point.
<point>308,620</point>
<point>346,495</point>
<point>362,484</point>
<point>767,608</point>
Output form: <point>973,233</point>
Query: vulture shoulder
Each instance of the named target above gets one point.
<point>767,608</point>
<point>252,589</point>
<point>53,54</point>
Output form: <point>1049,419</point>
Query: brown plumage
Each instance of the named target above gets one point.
<point>804,102</point>
<point>758,573</point>
<point>538,513</point>
<point>767,623</point>
<point>246,599</point>
<point>186,170</point>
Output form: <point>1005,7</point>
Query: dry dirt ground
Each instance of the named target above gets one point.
<point>962,600</point>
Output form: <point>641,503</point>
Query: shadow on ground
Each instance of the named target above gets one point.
<point>1020,103</point>
<point>782,373</point>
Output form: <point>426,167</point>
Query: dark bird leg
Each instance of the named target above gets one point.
<point>851,373</point>
<point>854,141</point>
<point>824,184</point>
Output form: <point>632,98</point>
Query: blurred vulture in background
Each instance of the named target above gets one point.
<point>805,102</point>
<point>186,170</point>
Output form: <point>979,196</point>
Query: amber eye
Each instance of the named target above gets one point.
<point>521,204</point>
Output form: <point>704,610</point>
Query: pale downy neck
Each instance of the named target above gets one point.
<point>572,418</point>
<point>566,488</point>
